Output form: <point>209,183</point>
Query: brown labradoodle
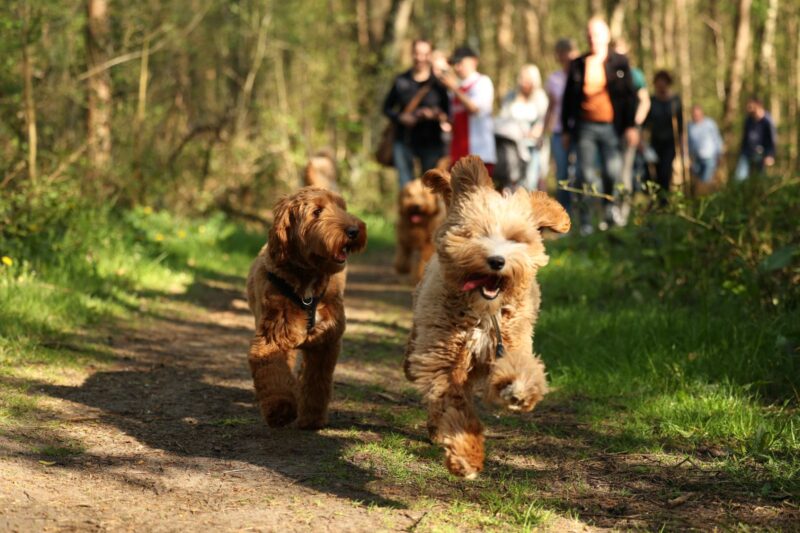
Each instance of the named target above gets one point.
<point>295,291</point>
<point>320,171</point>
<point>420,211</point>
<point>475,308</point>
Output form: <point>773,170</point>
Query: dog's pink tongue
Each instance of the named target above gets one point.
<point>474,283</point>
<point>416,218</point>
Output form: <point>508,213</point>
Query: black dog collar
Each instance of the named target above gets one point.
<point>309,305</point>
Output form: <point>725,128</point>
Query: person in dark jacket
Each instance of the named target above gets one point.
<point>665,124</point>
<point>418,133</point>
<point>598,109</point>
<point>758,140</point>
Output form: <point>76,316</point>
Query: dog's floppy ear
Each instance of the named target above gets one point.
<point>548,213</point>
<point>278,242</point>
<point>438,181</point>
<point>469,173</point>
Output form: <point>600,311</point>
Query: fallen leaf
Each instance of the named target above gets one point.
<point>680,500</point>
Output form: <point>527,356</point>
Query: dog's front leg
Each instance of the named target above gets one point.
<point>274,383</point>
<point>316,384</point>
<point>425,254</point>
<point>402,257</point>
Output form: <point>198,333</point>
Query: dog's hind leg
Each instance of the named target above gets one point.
<point>402,258</point>
<point>274,383</point>
<point>316,383</point>
<point>453,423</point>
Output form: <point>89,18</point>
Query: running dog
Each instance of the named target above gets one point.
<point>476,306</point>
<point>420,211</point>
<point>295,290</point>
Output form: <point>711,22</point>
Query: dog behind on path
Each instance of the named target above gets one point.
<point>295,290</point>
<point>476,306</point>
<point>420,211</point>
<point>320,171</point>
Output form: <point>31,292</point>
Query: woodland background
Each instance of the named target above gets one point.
<point>200,105</point>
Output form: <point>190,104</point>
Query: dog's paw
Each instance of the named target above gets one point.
<point>464,455</point>
<point>278,411</point>
<point>517,396</point>
<point>518,383</point>
<point>311,423</point>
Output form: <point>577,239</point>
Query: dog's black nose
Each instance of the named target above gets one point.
<point>352,232</point>
<point>497,262</point>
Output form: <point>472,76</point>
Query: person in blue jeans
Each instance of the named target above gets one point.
<point>705,145</point>
<point>758,141</point>
<point>418,133</point>
<point>599,108</point>
<point>566,51</point>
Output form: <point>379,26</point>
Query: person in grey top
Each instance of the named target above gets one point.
<point>705,145</point>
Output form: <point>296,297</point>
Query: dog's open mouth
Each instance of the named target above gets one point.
<point>341,257</point>
<point>490,285</point>
<point>415,214</point>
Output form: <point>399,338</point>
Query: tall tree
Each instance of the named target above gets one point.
<point>769,82</point>
<point>736,73</point>
<point>98,85</point>
<point>29,101</point>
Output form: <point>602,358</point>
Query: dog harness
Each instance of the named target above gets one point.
<point>309,305</point>
<point>500,350</point>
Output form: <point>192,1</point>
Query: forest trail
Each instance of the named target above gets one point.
<point>167,438</point>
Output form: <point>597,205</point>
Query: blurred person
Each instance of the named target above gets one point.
<point>705,145</point>
<point>631,154</point>
<point>758,141</point>
<point>415,104</point>
<point>526,106</point>
<point>565,51</point>
<point>599,108</point>
<point>472,99</point>
<point>665,124</point>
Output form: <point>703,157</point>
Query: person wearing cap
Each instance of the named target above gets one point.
<point>599,108</point>
<point>418,132</point>
<point>472,99</point>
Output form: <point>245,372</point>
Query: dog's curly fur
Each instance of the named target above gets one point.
<point>420,212</point>
<point>451,350</point>
<point>308,243</point>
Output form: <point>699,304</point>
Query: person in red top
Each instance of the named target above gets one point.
<point>472,99</point>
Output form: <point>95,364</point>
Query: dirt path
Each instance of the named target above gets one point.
<point>167,438</point>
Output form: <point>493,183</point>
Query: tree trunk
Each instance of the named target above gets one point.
<point>719,49</point>
<point>98,86</point>
<point>395,30</point>
<point>768,84</point>
<point>505,47</point>
<point>532,34</point>
<point>30,103</point>
<point>645,51</point>
<point>362,24</point>
<point>682,8</point>
<point>657,34</point>
<point>242,105</point>
<point>459,17</point>
<point>617,21</point>
<point>669,34</point>
<point>734,84</point>
<point>793,31</point>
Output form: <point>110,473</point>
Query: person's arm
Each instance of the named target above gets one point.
<point>483,97</point>
<point>769,145</point>
<point>390,104</point>
<point>569,106</point>
<point>642,106</point>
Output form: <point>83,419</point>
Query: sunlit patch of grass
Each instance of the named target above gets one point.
<point>395,458</point>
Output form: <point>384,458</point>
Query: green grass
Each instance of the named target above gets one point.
<point>651,372</point>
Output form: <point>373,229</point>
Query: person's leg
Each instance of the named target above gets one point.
<point>708,167</point>
<point>403,162</point>
<point>588,139</point>
<point>742,168</point>
<point>666,155</point>
<point>612,172</point>
<point>532,169</point>
<point>561,157</point>
<point>429,156</point>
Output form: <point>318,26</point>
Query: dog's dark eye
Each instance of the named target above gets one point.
<point>317,212</point>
